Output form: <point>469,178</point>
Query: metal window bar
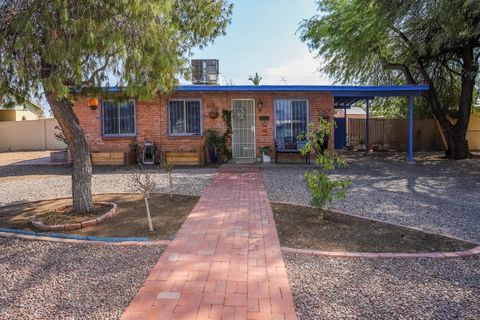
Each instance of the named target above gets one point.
<point>118,118</point>
<point>185,117</point>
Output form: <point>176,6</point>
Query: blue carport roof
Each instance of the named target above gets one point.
<point>344,96</point>
<point>336,91</point>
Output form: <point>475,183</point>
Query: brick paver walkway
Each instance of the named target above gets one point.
<point>225,262</point>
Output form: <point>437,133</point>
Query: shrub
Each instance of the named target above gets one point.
<point>323,189</point>
<point>216,145</point>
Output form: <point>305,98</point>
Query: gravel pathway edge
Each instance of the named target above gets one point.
<point>80,241</point>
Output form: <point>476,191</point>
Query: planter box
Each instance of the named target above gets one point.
<point>179,158</point>
<point>110,158</point>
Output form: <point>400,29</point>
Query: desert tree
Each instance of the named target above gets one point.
<point>405,41</point>
<point>57,48</point>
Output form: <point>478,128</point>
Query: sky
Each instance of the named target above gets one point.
<point>262,37</point>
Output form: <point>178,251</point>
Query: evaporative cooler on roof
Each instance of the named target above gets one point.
<point>205,71</point>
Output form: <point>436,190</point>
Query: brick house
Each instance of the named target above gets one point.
<point>176,122</point>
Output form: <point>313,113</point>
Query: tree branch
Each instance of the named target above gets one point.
<point>445,64</point>
<point>403,36</point>
<point>400,67</point>
<point>96,72</point>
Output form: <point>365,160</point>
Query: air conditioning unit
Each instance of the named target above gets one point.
<point>205,71</point>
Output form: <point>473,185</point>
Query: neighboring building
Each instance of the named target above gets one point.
<point>27,111</point>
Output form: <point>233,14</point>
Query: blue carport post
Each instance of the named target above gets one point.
<point>367,128</point>
<point>345,128</point>
<point>410,130</point>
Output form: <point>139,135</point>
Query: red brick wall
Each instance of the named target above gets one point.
<point>152,120</point>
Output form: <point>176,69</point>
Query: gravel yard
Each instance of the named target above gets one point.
<point>46,280</point>
<point>434,194</point>
<point>41,182</point>
<point>335,288</point>
<point>41,279</point>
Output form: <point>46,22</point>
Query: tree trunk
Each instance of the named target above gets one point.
<point>457,145</point>
<point>455,134</point>
<point>78,146</point>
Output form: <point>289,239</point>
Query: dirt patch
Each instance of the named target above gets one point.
<point>168,214</point>
<point>66,215</point>
<point>301,227</point>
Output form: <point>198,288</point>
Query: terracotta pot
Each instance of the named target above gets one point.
<point>213,114</point>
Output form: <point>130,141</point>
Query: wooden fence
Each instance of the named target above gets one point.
<point>392,134</point>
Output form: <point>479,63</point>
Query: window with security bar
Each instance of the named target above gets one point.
<point>184,118</point>
<point>291,118</point>
<point>118,118</point>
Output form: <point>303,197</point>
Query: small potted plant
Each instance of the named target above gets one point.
<point>266,153</point>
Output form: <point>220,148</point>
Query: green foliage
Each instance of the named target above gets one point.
<point>397,42</point>
<point>397,108</point>
<point>57,45</point>
<point>227,136</point>
<point>213,138</point>
<point>266,150</point>
<point>323,189</point>
<point>255,79</point>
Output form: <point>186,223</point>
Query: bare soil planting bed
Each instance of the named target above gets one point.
<point>302,228</point>
<point>68,215</point>
<point>168,214</point>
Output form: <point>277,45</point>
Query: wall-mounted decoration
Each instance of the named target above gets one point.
<point>213,114</point>
<point>264,118</point>
<point>93,103</point>
<point>260,105</point>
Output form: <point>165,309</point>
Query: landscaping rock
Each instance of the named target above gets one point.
<point>47,280</point>
<point>362,288</point>
<point>434,194</point>
<point>26,183</point>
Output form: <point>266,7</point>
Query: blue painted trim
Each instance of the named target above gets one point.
<point>337,91</point>
<point>410,130</point>
<point>71,236</point>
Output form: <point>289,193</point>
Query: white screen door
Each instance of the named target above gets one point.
<point>243,127</point>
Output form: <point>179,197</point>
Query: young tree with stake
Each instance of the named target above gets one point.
<point>143,183</point>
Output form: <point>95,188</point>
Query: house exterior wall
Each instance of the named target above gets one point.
<point>8,115</point>
<point>18,115</point>
<point>152,119</point>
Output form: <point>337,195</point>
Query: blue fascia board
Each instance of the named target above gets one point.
<point>336,91</point>
<point>356,91</point>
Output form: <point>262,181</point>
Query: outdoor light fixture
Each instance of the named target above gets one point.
<point>93,103</point>
<point>260,105</point>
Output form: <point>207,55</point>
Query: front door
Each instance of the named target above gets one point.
<point>243,127</point>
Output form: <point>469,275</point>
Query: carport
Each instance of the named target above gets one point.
<point>345,97</point>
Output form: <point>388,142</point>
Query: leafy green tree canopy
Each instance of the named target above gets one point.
<point>56,45</point>
<point>405,41</point>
